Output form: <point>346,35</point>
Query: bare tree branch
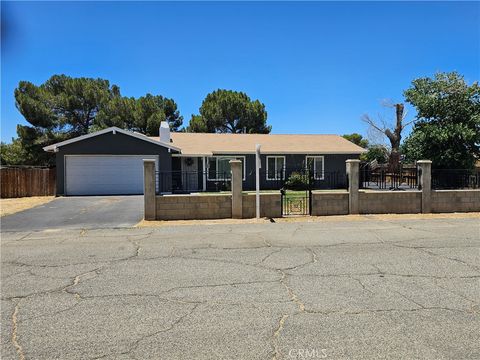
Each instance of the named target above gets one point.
<point>393,132</point>
<point>404,125</point>
<point>369,121</point>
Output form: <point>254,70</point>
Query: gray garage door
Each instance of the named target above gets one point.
<point>105,174</point>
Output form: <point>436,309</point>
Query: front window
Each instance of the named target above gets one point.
<point>316,164</point>
<point>219,167</point>
<point>275,167</point>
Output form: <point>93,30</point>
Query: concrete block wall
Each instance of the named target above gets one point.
<point>455,200</point>
<point>390,202</point>
<point>270,205</point>
<point>329,203</point>
<point>193,207</point>
<point>219,206</point>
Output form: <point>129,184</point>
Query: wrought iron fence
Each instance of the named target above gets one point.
<point>179,182</point>
<point>381,178</point>
<point>292,179</point>
<point>455,179</point>
<point>299,179</point>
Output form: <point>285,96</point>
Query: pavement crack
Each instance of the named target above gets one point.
<point>431,253</point>
<point>313,260</point>
<point>270,254</point>
<point>370,311</point>
<point>137,342</point>
<point>265,241</point>
<point>276,334</point>
<point>15,342</point>
<point>217,285</point>
<point>435,281</point>
<point>293,297</point>
<point>76,281</point>
<point>408,299</point>
<point>314,255</point>
<point>137,247</point>
<point>228,262</point>
<point>361,284</point>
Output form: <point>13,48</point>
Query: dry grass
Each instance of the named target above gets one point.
<point>12,206</point>
<point>380,217</point>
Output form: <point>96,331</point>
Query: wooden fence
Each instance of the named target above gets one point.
<point>25,181</point>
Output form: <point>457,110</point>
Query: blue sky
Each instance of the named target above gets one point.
<point>317,66</point>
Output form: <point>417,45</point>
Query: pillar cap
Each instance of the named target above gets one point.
<point>148,161</point>
<point>424,161</point>
<point>352,161</point>
<point>235,161</point>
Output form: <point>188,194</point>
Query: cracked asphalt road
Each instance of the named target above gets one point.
<point>400,289</point>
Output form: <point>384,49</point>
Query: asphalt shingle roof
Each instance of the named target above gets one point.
<point>204,144</point>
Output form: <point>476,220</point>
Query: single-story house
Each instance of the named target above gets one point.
<point>110,161</point>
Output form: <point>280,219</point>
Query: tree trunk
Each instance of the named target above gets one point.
<point>395,139</point>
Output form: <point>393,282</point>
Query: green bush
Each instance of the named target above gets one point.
<point>297,181</point>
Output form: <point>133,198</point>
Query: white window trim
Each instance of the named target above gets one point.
<point>231,157</point>
<point>313,157</point>
<point>276,172</point>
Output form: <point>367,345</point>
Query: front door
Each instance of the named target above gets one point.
<point>190,173</point>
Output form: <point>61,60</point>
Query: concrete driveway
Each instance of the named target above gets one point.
<point>85,212</point>
<point>365,289</point>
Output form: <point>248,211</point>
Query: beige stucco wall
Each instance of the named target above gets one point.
<point>329,203</point>
<point>270,205</point>
<point>189,207</point>
<point>390,202</point>
<point>455,200</point>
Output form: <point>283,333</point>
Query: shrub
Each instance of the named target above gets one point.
<point>297,181</point>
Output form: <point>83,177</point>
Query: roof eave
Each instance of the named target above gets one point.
<point>113,129</point>
<point>296,152</point>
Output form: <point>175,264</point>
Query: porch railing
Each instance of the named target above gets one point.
<point>198,181</point>
<point>381,178</point>
<point>192,181</point>
<point>455,179</point>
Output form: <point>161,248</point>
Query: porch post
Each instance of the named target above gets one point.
<point>353,167</point>
<point>149,201</point>
<point>237,205</point>
<point>204,177</point>
<point>258,165</point>
<point>425,174</point>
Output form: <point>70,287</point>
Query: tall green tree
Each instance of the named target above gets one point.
<point>148,114</point>
<point>227,111</point>
<point>376,152</point>
<point>197,125</point>
<point>143,114</point>
<point>357,139</point>
<point>64,107</point>
<point>63,103</point>
<point>119,112</point>
<point>13,153</point>
<point>60,108</point>
<point>448,127</point>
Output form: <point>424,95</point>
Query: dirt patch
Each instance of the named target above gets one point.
<point>12,206</point>
<point>157,223</point>
<point>380,217</point>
